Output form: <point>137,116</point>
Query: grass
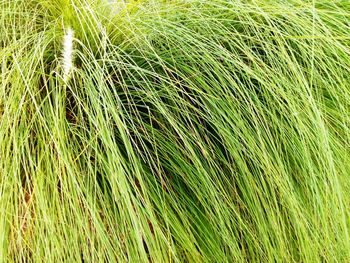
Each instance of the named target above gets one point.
<point>174,131</point>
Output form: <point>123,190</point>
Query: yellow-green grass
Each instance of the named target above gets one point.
<point>174,131</point>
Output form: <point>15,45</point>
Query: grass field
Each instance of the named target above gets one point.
<point>174,131</point>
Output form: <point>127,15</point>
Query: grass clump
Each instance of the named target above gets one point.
<point>174,131</point>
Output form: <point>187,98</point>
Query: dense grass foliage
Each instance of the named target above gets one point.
<point>174,131</point>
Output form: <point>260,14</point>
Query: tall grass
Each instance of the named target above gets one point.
<point>174,131</point>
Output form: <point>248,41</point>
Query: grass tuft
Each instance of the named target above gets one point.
<point>183,131</point>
